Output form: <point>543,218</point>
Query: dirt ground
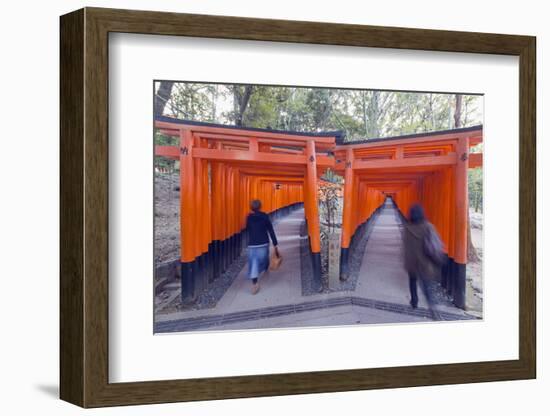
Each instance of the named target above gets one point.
<point>474,271</point>
<point>167,241</point>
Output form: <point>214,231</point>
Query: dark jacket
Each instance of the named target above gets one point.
<point>258,225</point>
<point>415,259</point>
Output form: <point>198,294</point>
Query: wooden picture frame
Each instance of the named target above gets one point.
<point>84,207</point>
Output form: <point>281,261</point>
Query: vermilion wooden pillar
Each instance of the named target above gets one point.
<point>461,220</point>
<point>230,207</point>
<point>238,214</point>
<point>223,218</point>
<point>216,216</point>
<point>187,220</point>
<point>205,217</point>
<point>200,233</point>
<point>313,207</point>
<point>347,215</point>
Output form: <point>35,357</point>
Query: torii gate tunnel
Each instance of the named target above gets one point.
<point>430,169</point>
<point>222,168</point>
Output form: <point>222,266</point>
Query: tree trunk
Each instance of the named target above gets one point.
<point>162,96</point>
<point>241,101</point>
<point>458,110</point>
<point>365,116</point>
<point>214,101</point>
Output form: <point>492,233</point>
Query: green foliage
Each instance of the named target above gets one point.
<point>263,108</point>
<point>163,140</point>
<point>333,177</point>
<point>361,114</point>
<point>194,101</point>
<point>475,189</point>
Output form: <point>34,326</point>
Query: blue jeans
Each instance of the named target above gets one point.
<point>258,260</point>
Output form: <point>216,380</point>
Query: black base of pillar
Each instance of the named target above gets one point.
<point>453,280</point>
<point>201,275</point>
<point>224,254</point>
<point>459,290</point>
<point>445,272</point>
<point>227,252</point>
<point>216,269</point>
<point>239,244</point>
<point>210,263</point>
<point>344,264</point>
<point>245,239</point>
<point>233,245</point>
<point>187,281</point>
<point>229,248</point>
<point>317,279</point>
<point>196,274</point>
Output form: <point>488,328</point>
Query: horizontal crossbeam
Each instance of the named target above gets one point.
<point>475,160</point>
<point>432,161</point>
<point>173,129</point>
<point>173,152</point>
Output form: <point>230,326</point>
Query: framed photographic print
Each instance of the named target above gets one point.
<point>255,207</point>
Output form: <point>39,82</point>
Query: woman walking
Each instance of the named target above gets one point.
<point>258,226</point>
<point>422,250</point>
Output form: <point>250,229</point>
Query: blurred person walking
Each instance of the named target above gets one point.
<point>423,250</point>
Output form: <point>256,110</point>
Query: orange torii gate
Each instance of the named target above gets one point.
<point>429,168</point>
<point>222,168</point>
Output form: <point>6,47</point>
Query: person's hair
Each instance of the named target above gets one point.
<point>255,205</point>
<point>416,214</point>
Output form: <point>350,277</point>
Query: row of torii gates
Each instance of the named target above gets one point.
<point>222,168</point>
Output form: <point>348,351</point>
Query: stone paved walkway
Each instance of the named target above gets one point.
<point>381,294</point>
<point>277,287</point>
<point>382,275</point>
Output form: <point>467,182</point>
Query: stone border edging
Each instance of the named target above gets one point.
<point>212,321</point>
